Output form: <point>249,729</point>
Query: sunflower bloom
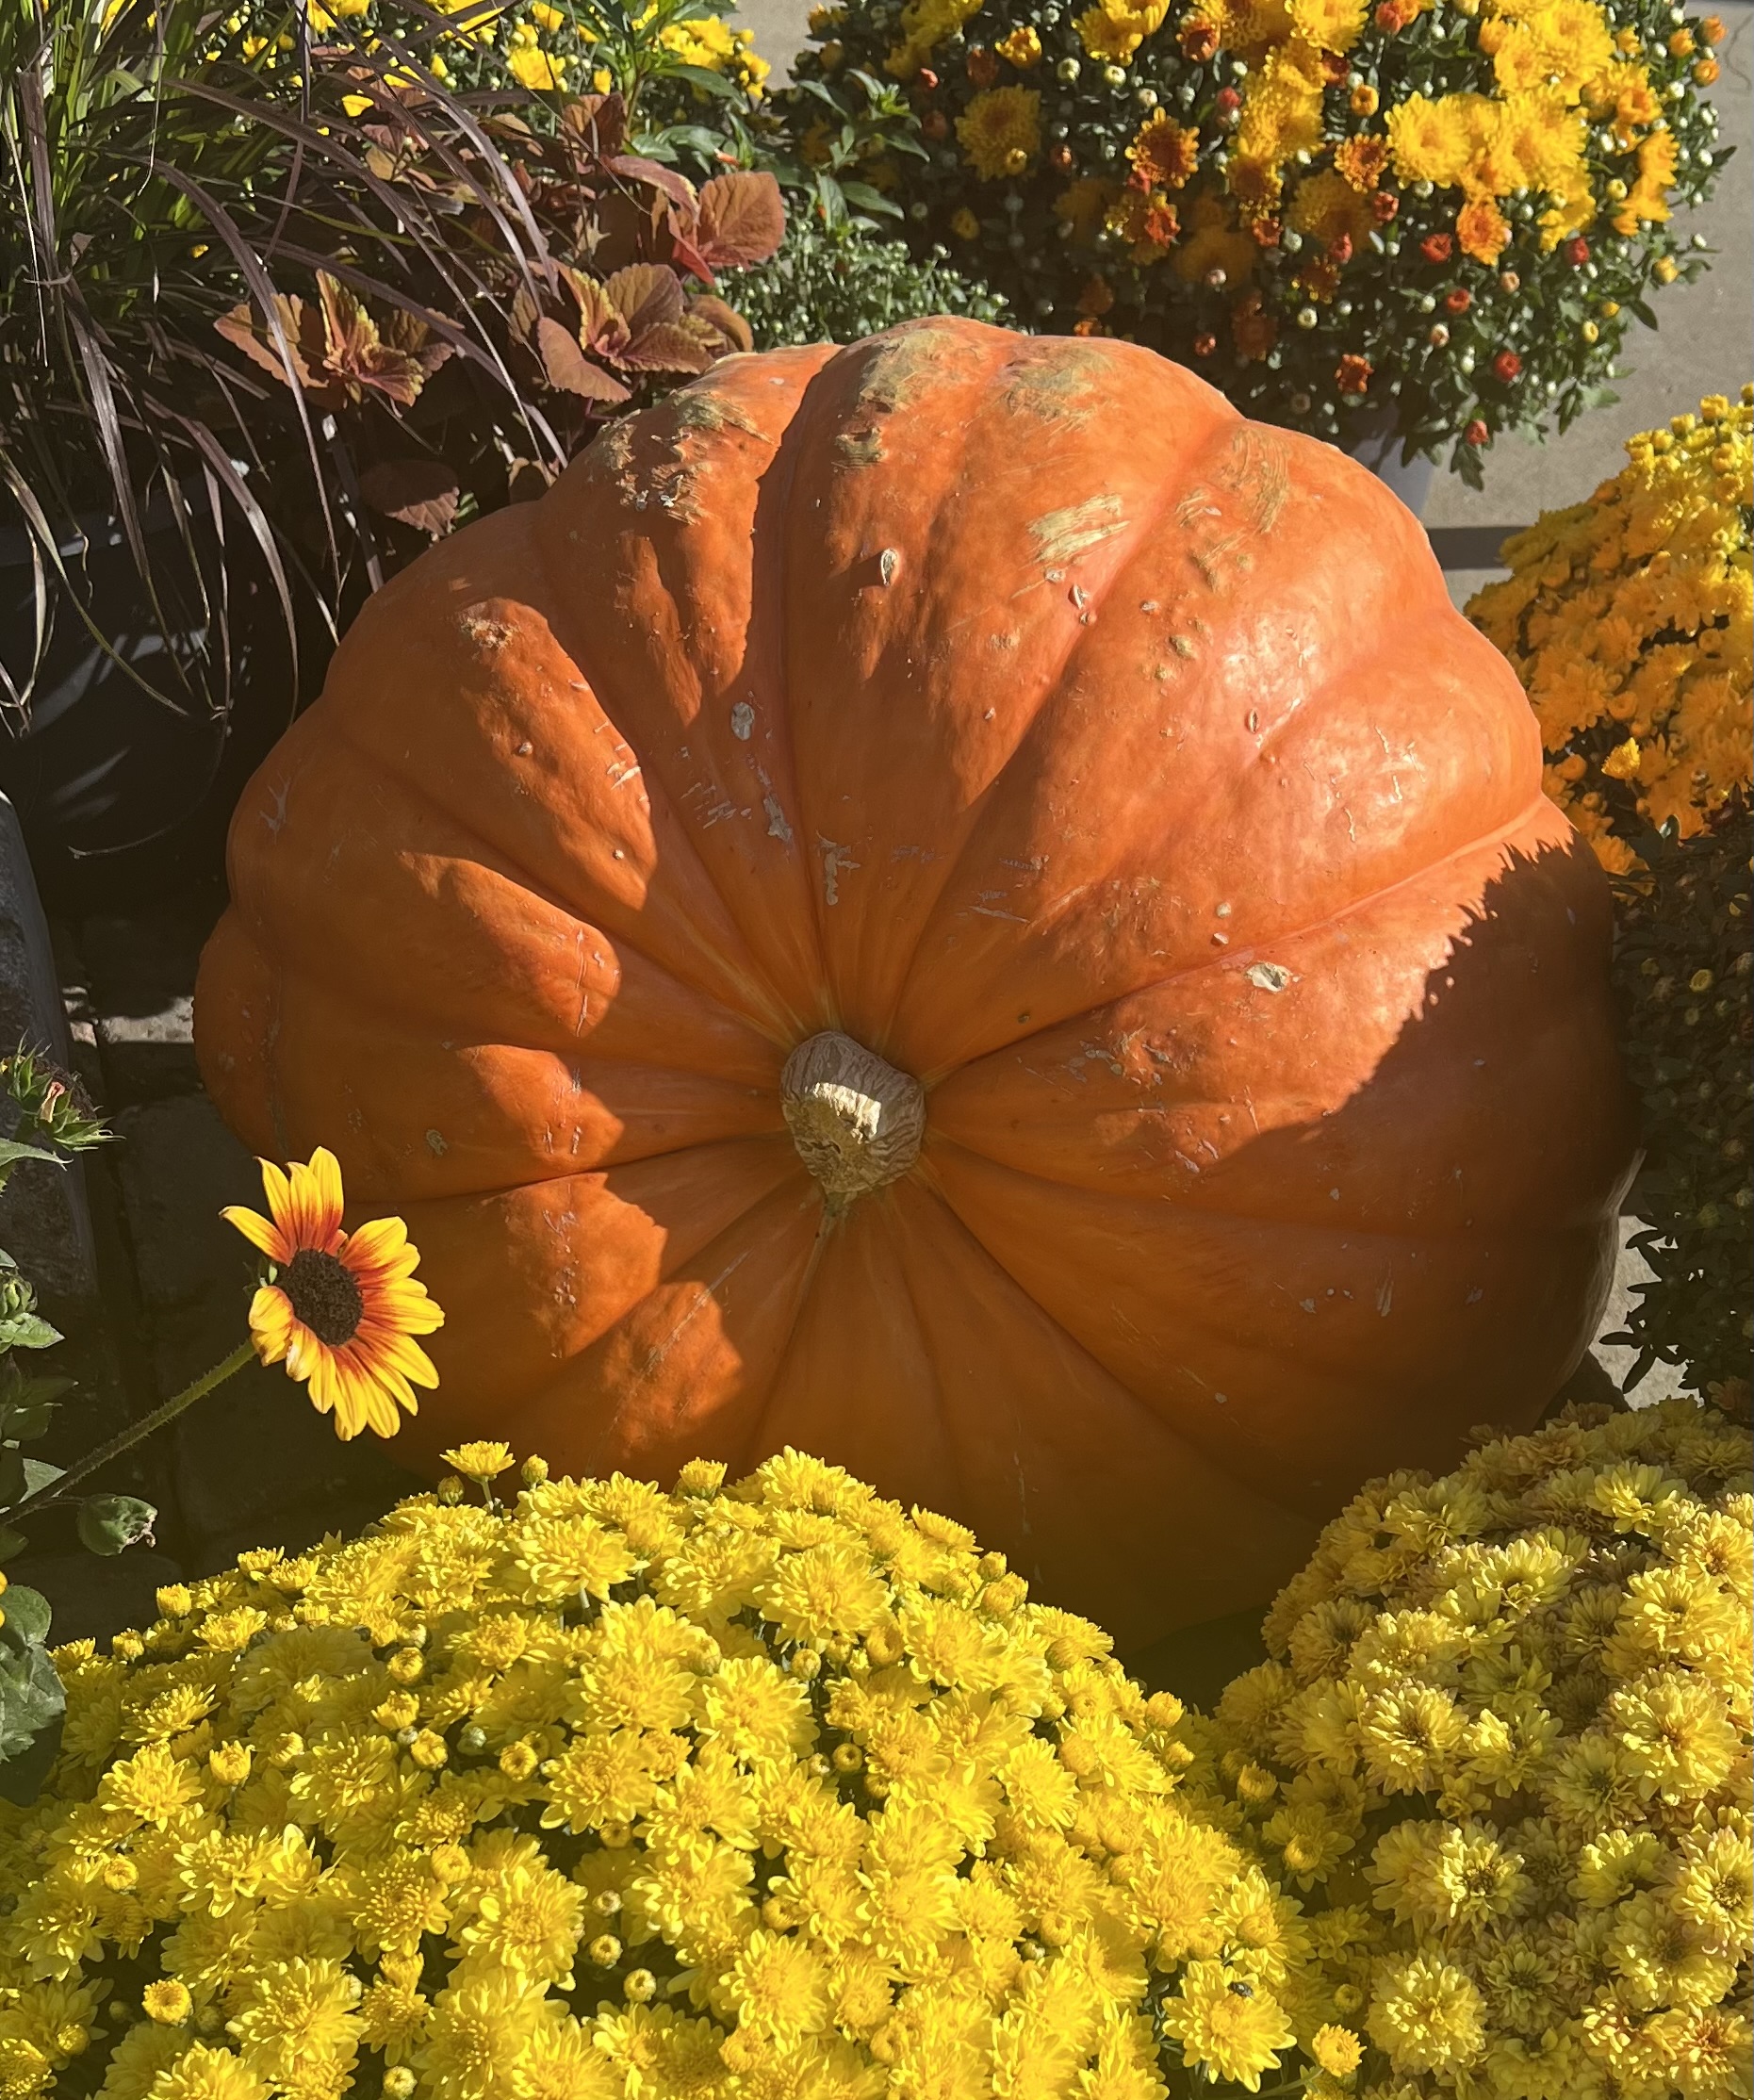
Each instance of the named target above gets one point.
<point>339,1309</point>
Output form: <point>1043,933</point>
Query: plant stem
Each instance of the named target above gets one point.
<point>136,1432</point>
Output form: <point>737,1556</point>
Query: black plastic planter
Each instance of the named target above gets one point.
<point>122,794</point>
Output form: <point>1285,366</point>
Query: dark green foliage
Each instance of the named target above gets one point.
<point>54,1123</point>
<point>1683,962</point>
<point>840,284</point>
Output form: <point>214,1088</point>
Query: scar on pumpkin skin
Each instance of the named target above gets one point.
<point>1256,469</point>
<point>1060,535</point>
<point>896,374</point>
<point>1056,388</point>
<point>710,412</point>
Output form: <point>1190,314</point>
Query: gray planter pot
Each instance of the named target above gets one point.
<point>45,1220</point>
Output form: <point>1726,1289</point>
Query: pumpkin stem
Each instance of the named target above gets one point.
<point>856,1121</point>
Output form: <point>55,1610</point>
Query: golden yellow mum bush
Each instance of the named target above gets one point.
<point>1631,620</point>
<point>1502,1746</point>
<point>1438,217</point>
<point>773,1791</point>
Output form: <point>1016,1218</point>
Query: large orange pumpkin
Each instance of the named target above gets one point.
<point>953,904</point>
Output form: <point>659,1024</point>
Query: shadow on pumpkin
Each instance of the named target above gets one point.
<point>1509,1070</point>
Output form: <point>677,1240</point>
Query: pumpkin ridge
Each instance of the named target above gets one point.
<point>375,1189</point>
<point>1229,1214</point>
<point>1053,684</point>
<point>1158,1423</point>
<point>1221,432</point>
<point>497,863</point>
<point>767,1165</point>
<point>1259,1337</point>
<point>1233,958</point>
<point>625,934</point>
<point>553,1392</point>
<point>879,1213</point>
<point>873,1039</point>
<point>1362,650</point>
<point>755,1447</point>
<point>775,1021</point>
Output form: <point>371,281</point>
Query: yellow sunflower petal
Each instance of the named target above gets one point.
<point>410,1311</point>
<point>382,1415</point>
<point>403,1353</point>
<point>260,1231</point>
<point>278,1190</point>
<point>271,1323</point>
<point>316,1201</point>
<point>378,1241</point>
<point>386,1379</point>
<point>389,1269</point>
<point>332,1393</point>
<point>308,1358</point>
<point>379,1358</point>
<point>355,1397</point>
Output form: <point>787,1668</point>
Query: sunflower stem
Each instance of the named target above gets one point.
<point>136,1432</point>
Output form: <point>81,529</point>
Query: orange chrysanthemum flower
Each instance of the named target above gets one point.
<point>339,1309</point>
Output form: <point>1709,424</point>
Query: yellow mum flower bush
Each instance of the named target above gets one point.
<point>1629,619</point>
<point>1435,219</point>
<point>1503,1750</point>
<point>768,1788</point>
<point>665,58</point>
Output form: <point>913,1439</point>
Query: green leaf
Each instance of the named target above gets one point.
<point>704,78</point>
<point>109,1524</point>
<point>12,1152</point>
<point>21,1477</point>
<point>32,1708</point>
<point>815,88</point>
<point>46,1386</point>
<point>27,1331</point>
<point>867,199</point>
<point>28,1615</point>
<point>27,1418</point>
<point>12,1542</point>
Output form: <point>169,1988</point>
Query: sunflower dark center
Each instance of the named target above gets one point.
<point>324,1295</point>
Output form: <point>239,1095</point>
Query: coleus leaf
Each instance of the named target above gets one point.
<point>742,221</point>
<point>424,493</point>
<point>395,359</point>
<point>303,329</point>
<point>677,188</point>
<point>567,367</point>
<point>729,323</point>
<point>646,295</point>
<point>674,346</point>
<point>597,121</point>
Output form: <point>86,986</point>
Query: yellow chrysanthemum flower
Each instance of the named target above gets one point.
<point>1226,2027</point>
<point>481,1462</point>
<point>1000,132</point>
<point>537,70</point>
<point>1630,720</point>
<point>809,1799</point>
<point>1508,1716</point>
<point>1114,29</point>
<point>1431,141</point>
<point>1329,25</point>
